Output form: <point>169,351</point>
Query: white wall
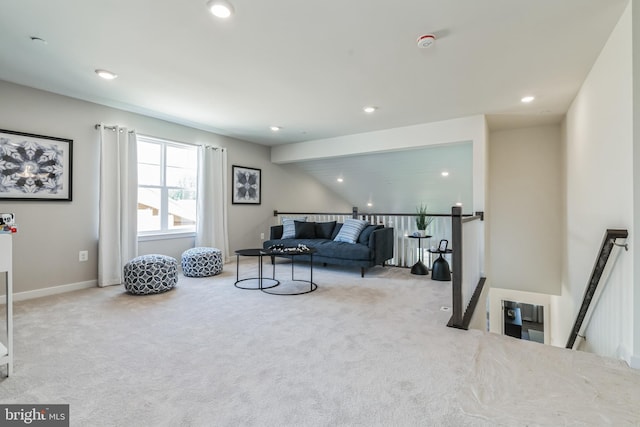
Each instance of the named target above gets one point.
<point>51,233</point>
<point>525,209</point>
<point>600,195</point>
<point>635,239</point>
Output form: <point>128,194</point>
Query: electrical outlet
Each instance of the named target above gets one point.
<point>83,256</point>
<point>261,236</point>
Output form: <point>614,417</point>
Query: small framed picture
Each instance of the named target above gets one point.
<point>34,167</point>
<point>246,185</point>
<point>444,243</point>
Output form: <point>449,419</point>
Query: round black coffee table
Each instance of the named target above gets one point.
<point>292,254</point>
<point>259,279</point>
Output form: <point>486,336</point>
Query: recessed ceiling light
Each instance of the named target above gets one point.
<point>444,173</point>
<point>107,75</point>
<point>370,109</point>
<point>527,99</point>
<point>220,8</point>
<point>340,180</point>
<point>369,204</point>
<point>275,128</point>
<point>459,204</point>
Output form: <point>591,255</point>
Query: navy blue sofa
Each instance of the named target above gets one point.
<point>374,246</point>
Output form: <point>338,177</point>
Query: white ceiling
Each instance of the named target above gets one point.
<point>309,67</point>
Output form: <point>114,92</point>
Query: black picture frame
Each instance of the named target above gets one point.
<point>35,167</point>
<point>442,247</point>
<point>246,185</point>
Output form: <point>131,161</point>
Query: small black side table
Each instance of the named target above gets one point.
<point>419,267</point>
<point>440,267</point>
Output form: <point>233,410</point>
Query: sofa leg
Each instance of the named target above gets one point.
<point>324,264</point>
<point>273,259</point>
<point>361,271</point>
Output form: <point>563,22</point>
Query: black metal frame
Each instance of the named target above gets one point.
<point>67,176</point>
<point>235,201</point>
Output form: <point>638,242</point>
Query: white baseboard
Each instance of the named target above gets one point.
<point>634,362</point>
<point>38,293</point>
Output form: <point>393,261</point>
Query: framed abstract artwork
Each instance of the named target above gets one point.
<point>246,185</point>
<point>34,167</point>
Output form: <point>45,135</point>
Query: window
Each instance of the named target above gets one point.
<point>167,180</point>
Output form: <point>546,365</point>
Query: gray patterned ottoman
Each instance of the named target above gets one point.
<point>201,262</point>
<point>150,274</point>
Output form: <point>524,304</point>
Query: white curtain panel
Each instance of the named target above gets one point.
<point>118,229</point>
<point>211,228</point>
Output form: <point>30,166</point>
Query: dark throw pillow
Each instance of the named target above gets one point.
<point>305,230</point>
<point>336,230</point>
<point>324,230</point>
<point>289,227</point>
<point>366,233</point>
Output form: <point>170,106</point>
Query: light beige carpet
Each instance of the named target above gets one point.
<point>370,351</point>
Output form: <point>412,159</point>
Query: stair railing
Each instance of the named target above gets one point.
<point>466,260</point>
<point>582,320</point>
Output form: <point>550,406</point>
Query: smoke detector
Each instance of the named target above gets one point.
<point>426,41</point>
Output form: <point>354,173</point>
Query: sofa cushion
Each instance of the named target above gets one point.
<point>289,227</point>
<point>351,230</point>
<point>366,233</point>
<point>324,230</point>
<point>305,230</point>
<point>342,250</point>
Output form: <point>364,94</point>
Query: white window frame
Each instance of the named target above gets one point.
<point>164,232</point>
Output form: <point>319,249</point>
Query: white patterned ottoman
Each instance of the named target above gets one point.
<point>201,262</point>
<point>150,274</point>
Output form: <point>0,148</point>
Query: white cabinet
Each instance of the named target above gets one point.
<point>6,259</point>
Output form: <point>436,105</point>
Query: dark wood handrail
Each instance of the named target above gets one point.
<point>460,319</point>
<point>608,242</point>
<point>358,213</point>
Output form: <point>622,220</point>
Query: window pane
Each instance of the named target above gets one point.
<point>149,153</point>
<point>182,209</point>
<point>167,179</point>
<point>149,174</point>
<point>182,157</point>
<point>149,209</point>
<point>180,177</point>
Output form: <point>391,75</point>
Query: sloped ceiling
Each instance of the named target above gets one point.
<point>399,181</point>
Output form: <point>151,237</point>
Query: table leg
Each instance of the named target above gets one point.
<point>237,268</point>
